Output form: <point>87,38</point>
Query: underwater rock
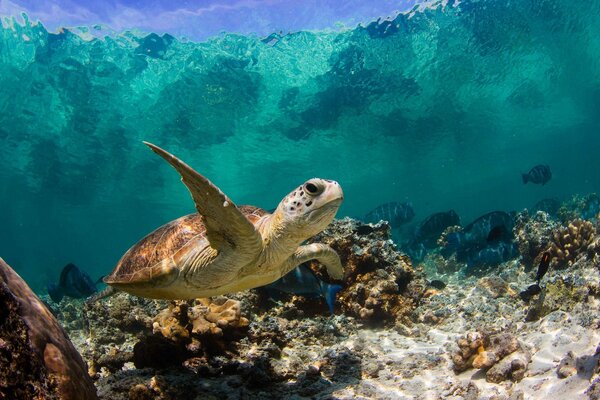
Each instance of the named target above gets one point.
<point>511,367</point>
<point>494,287</point>
<point>37,359</point>
<point>566,367</point>
<point>157,352</point>
<point>376,273</point>
<point>559,294</point>
<point>468,348</point>
<point>586,207</point>
<point>109,329</point>
<point>532,234</point>
<point>500,354</point>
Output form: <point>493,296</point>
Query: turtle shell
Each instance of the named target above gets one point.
<point>144,261</point>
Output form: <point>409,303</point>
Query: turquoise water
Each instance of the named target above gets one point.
<point>442,107</point>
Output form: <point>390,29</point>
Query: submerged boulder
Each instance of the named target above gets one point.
<point>37,359</point>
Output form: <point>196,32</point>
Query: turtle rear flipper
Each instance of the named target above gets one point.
<point>225,225</point>
<point>106,292</point>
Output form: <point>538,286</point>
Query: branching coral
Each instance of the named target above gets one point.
<point>569,242</point>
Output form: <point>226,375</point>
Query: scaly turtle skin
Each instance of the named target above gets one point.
<point>224,248</point>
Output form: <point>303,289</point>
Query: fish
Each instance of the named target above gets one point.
<point>531,291</point>
<point>302,281</point>
<point>538,174</point>
<point>416,251</point>
<point>543,267</point>
<point>72,283</point>
<point>395,213</point>
<point>437,284</point>
<point>549,206</point>
<point>431,228</point>
<point>489,256</point>
<point>495,226</point>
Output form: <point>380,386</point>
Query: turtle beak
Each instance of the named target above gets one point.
<point>333,193</point>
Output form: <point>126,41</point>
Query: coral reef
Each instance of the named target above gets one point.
<point>376,274</point>
<point>570,242</point>
<point>202,324</point>
<point>243,346</point>
<point>533,233</point>
<point>585,207</point>
<point>37,359</point>
<point>500,354</point>
<point>106,331</point>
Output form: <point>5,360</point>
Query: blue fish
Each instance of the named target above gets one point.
<point>415,250</point>
<point>72,283</point>
<point>431,228</point>
<point>491,227</point>
<point>549,206</point>
<point>538,174</point>
<point>491,255</point>
<point>395,213</point>
<point>302,281</point>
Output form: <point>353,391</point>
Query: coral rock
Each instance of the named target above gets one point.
<point>567,367</point>
<point>511,367</point>
<point>214,316</point>
<point>532,235</point>
<point>468,349</point>
<point>376,274</point>
<point>485,359</point>
<point>37,359</point>
<point>500,354</point>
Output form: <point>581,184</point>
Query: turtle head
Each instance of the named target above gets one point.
<point>309,208</point>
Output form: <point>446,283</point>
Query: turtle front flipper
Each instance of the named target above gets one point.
<point>225,225</point>
<point>320,252</point>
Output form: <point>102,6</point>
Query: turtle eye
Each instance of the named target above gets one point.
<point>312,189</point>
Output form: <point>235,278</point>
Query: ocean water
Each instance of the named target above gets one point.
<point>443,106</point>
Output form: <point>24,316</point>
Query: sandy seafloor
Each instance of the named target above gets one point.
<point>294,349</point>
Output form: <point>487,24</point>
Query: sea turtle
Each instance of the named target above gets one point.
<point>224,248</point>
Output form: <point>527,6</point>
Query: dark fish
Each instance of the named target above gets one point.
<point>538,174</point>
<point>543,267</point>
<point>488,256</point>
<point>431,228</point>
<point>395,213</point>
<point>437,284</point>
<point>531,291</point>
<point>72,283</point>
<point>416,251</point>
<point>302,281</point>
<point>495,226</point>
<point>549,206</point>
